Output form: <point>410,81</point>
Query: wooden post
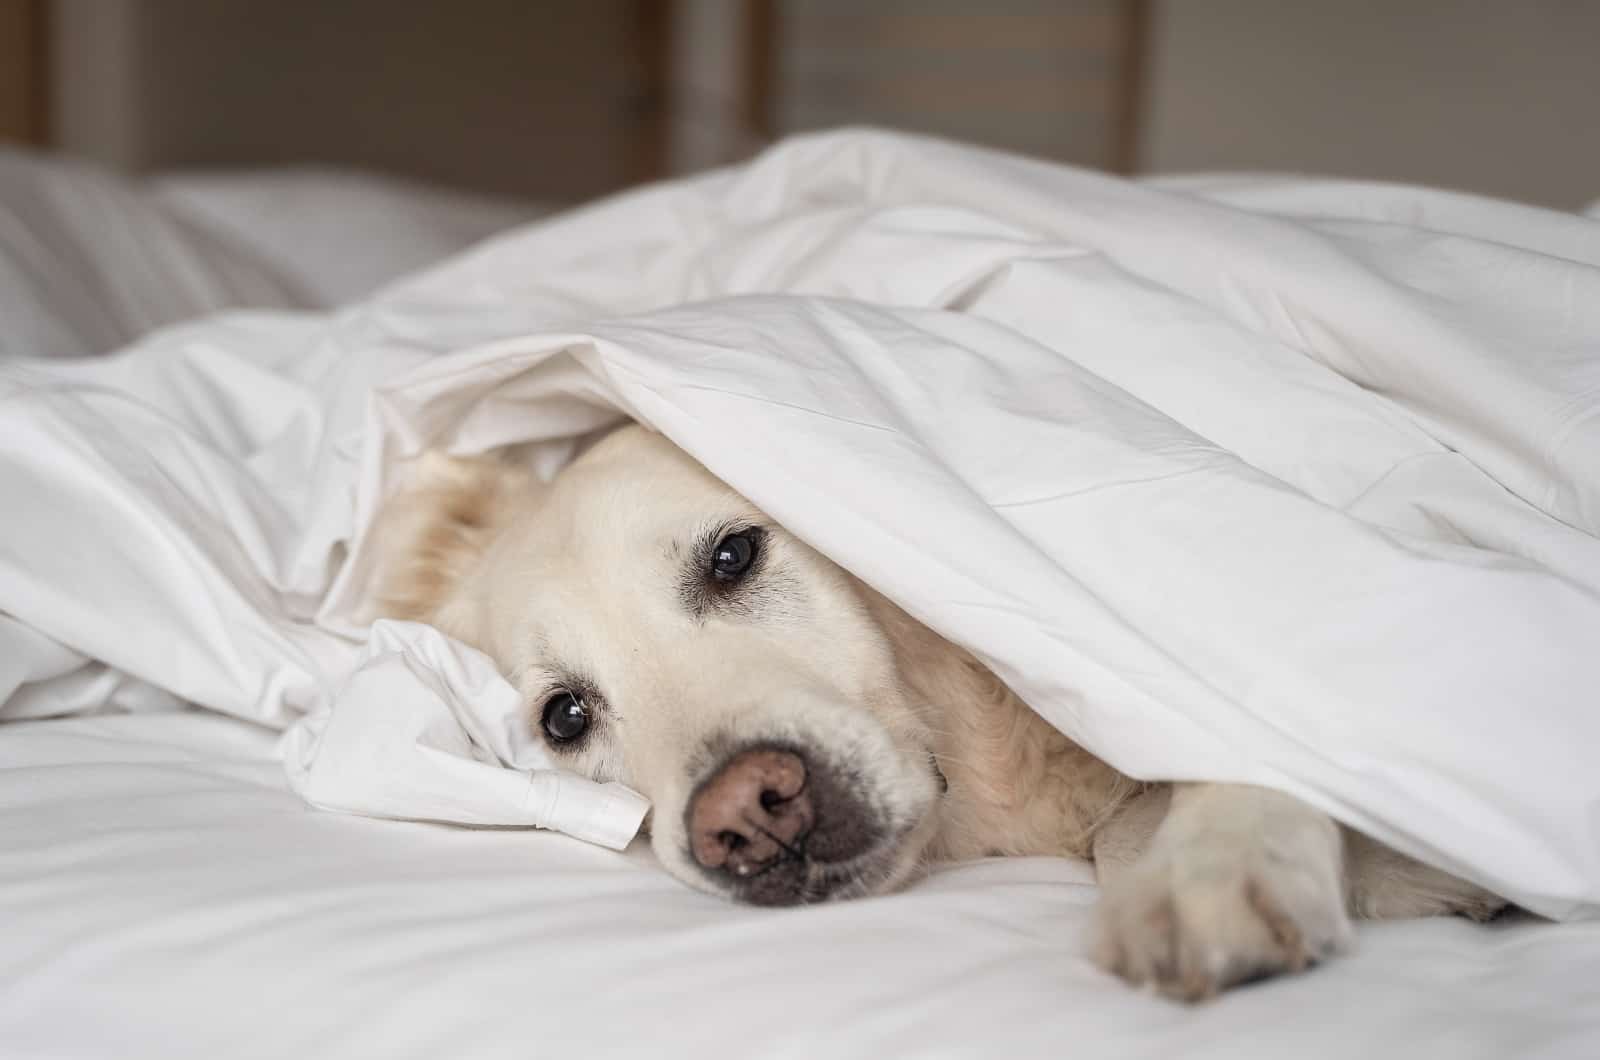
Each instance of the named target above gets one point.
<point>1128,108</point>
<point>24,72</point>
<point>758,76</point>
<point>651,103</point>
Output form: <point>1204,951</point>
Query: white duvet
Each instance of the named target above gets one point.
<point>1284,483</point>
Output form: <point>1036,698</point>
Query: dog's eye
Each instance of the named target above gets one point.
<point>565,718</point>
<point>733,556</point>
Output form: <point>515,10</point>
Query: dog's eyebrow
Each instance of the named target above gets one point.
<point>546,678</point>
<point>587,692</point>
<point>695,590</point>
<point>538,681</point>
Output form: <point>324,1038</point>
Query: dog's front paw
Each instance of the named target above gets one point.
<point>1194,917</point>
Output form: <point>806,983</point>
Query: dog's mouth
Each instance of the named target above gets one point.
<point>799,879</point>
<point>776,825</point>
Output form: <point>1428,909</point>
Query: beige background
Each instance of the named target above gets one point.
<point>1496,96</point>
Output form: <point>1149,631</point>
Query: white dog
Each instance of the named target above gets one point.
<point>801,739</point>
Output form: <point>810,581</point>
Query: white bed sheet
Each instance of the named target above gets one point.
<point>165,895</point>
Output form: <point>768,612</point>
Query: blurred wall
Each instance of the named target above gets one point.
<point>708,117</point>
<point>1042,77</point>
<point>539,99</point>
<point>560,100</point>
<point>1053,78</point>
<point>1495,96</point>
<point>565,99</point>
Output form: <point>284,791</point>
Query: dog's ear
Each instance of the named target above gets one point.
<point>430,535</point>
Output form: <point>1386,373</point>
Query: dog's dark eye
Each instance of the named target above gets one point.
<point>565,718</point>
<point>733,556</point>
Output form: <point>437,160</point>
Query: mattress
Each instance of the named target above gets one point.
<point>165,895</point>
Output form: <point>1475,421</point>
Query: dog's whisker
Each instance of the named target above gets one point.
<point>792,851</point>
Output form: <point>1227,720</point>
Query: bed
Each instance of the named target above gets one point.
<point>166,893</point>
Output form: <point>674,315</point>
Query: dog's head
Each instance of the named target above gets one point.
<point>666,634</point>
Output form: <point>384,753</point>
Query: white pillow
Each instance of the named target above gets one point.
<point>89,262</point>
<point>339,233</point>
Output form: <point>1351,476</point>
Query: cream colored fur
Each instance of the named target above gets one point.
<point>582,580</point>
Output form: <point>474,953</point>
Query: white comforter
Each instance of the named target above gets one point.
<point>1292,484</point>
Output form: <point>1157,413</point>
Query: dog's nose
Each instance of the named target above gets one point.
<point>753,810</point>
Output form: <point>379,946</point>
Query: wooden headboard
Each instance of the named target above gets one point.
<point>24,82</point>
<point>557,100</point>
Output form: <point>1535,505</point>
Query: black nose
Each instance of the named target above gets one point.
<point>779,825</point>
